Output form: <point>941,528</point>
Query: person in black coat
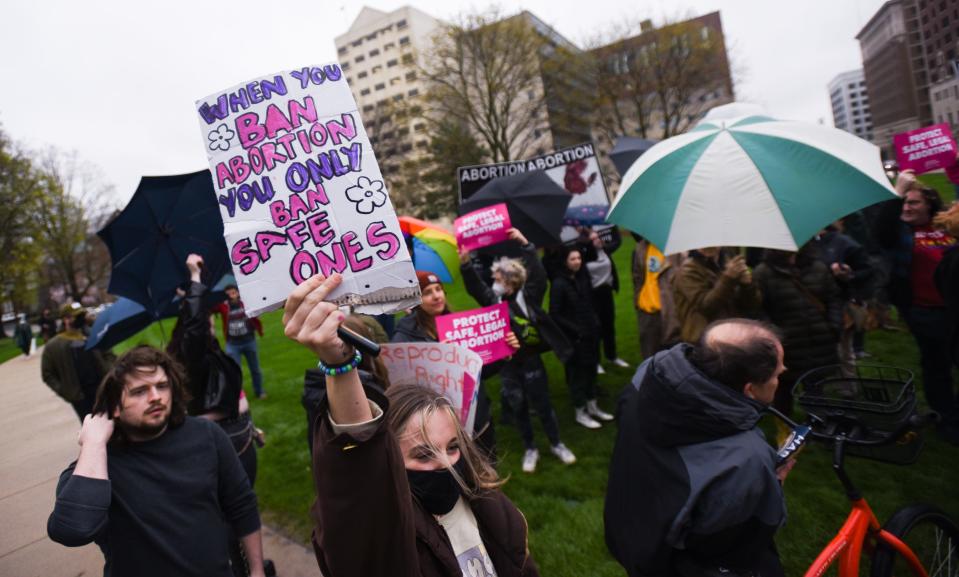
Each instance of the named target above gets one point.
<point>522,285</point>
<point>571,306</point>
<point>802,299</point>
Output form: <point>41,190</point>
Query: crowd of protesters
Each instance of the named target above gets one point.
<point>723,331</point>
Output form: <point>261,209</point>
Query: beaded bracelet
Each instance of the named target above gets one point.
<point>343,368</point>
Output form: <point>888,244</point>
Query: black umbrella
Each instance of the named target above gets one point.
<point>168,218</point>
<point>121,320</point>
<point>627,150</point>
<point>536,204</point>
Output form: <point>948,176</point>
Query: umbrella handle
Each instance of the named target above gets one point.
<point>366,346</point>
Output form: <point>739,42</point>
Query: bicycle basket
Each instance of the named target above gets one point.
<point>877,400</point>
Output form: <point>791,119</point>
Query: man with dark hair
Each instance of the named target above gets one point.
<point>154,488</point>
<point>688,435</point>
<point>71,371</point>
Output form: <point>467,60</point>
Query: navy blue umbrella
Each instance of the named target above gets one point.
<point>121,320</point>
<point>627,150</point>
<point>168,218</point>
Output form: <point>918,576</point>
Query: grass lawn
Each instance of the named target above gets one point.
<point>564,505</point>
<point>8,350</point>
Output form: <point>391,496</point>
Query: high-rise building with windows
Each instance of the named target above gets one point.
<point>850,104</point>
<point>895,69</point>
<point>380,55</point>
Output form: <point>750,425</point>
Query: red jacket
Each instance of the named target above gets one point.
<point>224,310</point>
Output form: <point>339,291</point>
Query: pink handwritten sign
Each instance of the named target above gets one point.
<point>484,227</point>
<point>448,369</point>
<point>480,330</point>
<point>925,149</point>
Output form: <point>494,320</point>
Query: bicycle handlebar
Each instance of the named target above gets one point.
<point>849,437</point>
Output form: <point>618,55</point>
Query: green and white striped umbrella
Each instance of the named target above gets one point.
<point>741,178</point>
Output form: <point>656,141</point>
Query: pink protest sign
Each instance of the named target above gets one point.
<point>480,330</point>
<point>483,227</point>
<point>446,368</point>
<point>925,149</point>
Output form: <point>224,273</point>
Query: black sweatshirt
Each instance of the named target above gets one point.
<point>165,509</point>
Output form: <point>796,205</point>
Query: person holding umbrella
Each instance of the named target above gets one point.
<point>706,290</point>
<point>214,381</point>
<point>522,284</point>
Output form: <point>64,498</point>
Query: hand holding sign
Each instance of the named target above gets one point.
<point>484,227</point>
<point>480,330</point>
<point>311,321</point>
<point>925,149</point>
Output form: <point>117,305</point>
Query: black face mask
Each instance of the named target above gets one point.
<point>437,490</point>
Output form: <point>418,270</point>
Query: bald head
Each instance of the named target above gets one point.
<point>737,332</point>
<point>745,355</point>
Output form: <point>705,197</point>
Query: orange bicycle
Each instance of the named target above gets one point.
<point>872,414</point>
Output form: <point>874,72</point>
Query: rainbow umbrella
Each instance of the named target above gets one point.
<point>433,248</point>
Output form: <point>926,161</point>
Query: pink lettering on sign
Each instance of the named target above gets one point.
<point>925,149</point>
<point>483,331</point>
<point>484,227</point>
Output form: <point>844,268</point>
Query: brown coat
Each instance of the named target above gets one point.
<point>703,294</point>
<point>367,524</point>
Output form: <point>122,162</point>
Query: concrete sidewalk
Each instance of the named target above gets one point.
<point>39,440</point>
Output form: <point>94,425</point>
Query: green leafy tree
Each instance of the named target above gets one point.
<point>451,146</point>
<point>20,252</point>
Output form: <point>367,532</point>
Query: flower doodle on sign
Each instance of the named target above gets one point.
<point>367,194</point>
<point>220,138</point>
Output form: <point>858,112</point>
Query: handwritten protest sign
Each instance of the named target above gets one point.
<point>575,168</point>
<point>301,193</point>
<point>480,330</point>
<point>444,367</point>
<point>925,149</point>
<point>483,227</point>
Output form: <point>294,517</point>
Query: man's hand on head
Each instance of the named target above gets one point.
<point>96,430</point>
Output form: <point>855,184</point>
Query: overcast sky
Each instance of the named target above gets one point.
<point>116,80</point>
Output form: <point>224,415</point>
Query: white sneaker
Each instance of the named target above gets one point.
<point>583,418</point>
<point>600,370</point>
<point>564,454</point>
<point>530,458</point>
<point>594,411</point>
<point>620,363</point>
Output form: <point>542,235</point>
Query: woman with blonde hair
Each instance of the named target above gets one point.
<point>400,488</point>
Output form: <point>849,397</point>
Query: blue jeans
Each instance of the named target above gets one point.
<point>248,350</point>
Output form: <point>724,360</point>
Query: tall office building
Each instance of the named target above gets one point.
<point>940,37</point>
<point>895,69</point>
<point>850,104</point>
<point>380,54</point>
